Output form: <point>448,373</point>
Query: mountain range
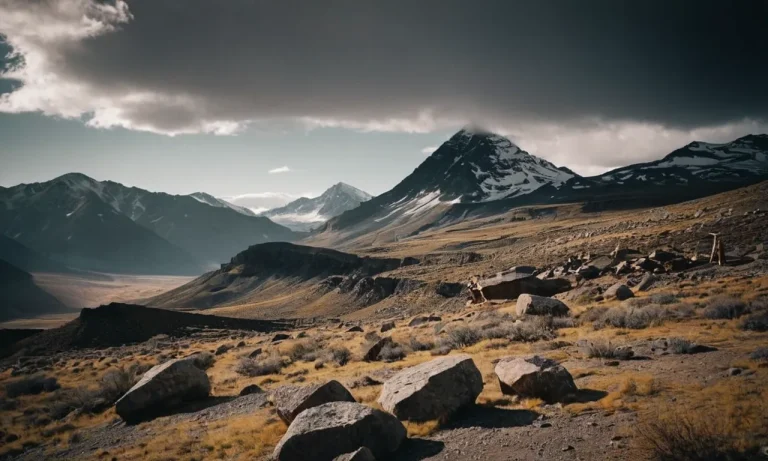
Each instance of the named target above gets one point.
<point>304,214</point>
<point>476,173</point>
<point>105,226</point>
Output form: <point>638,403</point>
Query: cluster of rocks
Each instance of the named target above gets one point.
<point>325,420</point>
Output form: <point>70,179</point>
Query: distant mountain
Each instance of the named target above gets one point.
<point>476,173</point>
<point>105,226</point>
<point>473,166</point>
<point>209,199</point>
<point>21,298</point>
<point>305,214</point>
<point>28,259</point>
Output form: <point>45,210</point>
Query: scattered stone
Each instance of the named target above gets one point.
<point>539,305</point>
<point>416,321</point>
<point>355,329</point>
<point>365,381</point>
<point>734,371</point>
<point>251,389</point>
<point>662,256</point>
<point>646,282</point>
<point>432,389</point>
<point>291,400</point>
<point>256,352</point>
<point>588,272</point>
<point>535,377</point>
<point>280,337</point>
<point>240,344</point>
<point>163,387</point>
<point>372,354</point>
<point>361,454</point>
<point>333,429</point>
<point>387,326</point>
<point>568,448</point>
<point>224,348</point>
<point>618,291</point>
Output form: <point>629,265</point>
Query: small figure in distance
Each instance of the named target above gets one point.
<point>475,291</point>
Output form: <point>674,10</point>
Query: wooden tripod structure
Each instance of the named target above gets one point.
<point>717,249</point>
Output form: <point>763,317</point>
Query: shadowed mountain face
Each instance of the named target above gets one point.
<point>476,174</point>
<point>106,226</point>
<point>21,298</point>
<point>305,214</point>
<point>28,259</point>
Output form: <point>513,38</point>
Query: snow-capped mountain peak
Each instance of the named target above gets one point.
<point>306,213</point>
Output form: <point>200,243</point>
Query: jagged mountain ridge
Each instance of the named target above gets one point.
<point>477,173</point>
<point>105,226</point>
<point>304,213</point>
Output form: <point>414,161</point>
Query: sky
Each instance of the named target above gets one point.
<point>259,98</point>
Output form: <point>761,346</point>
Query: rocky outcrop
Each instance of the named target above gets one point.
<point>421,320</point>
<point>535,377</point>
<point>518,280</point>
<point>386,326</point>
<point>333,429</point>
<point>292,400</point>
<point>162,388</point>
<point>539,305</point>
<point>371,354</point>
<point>433,389</point>
<point>618,291</point>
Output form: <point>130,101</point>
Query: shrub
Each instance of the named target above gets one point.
<point>755,322</point>
<point>662,298</point>
<point>203,360</point>
<point>533,329</point>
<point>563,322</point>
<point>253,367</point>
<point>682,310</point>
<point>441,349</point>
<point>497,331</point>
<point>418,345</point>
<point>306,351</point>
<point>340,355</point>
<point>680,346</point>
<point>463,336</point>
<point>606,350</point>
<point>635,318</point>
<point>116,382</point>
<point>31,385</point>
<point>725,307</point>
<point>760,354</point>
<point>593,315</point>
<point>684,437</point>
<point>392,352</point>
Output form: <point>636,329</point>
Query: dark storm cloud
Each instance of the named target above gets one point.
<point>176,66</point>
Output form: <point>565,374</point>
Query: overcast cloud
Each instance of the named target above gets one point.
<point>590,85</point>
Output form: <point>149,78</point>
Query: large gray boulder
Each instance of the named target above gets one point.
<point>540,305</point>
<point>618,291</point>
<point>535,377</point>
<point>361,454</point>
<point>371,354</point>
<point>162,388</point>
<point>330,430</point>
<point>292,400</point>
<point>432,389</point>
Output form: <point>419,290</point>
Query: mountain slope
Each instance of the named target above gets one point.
<point>304,213</point>
<point>210,200</point>
<point>27,259</point>
<point>106,226</point>
<point>21,298</point>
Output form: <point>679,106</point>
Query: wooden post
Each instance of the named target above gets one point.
<point>714,248</point>
<point>720,252</point>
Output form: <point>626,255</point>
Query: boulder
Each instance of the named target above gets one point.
<point>256,352</point>
<point>601,262</point>
<point>416,321</point>
<point>618,291</point>
<point>224,348</point>
<point>280,337</point>
<point>251,389</point>
<point>539,305</point>
<point>662,256</point>
<point>432,389</point>
<point>292,400</point>
<point>355,329</point>
<point>535,377</point>
<point>588,272</point>
<point>162,388</point>
<point>361,454</point>
<point>372,353</point>
<point>333,429</point>
<point>387,326</point>
<point>676,265</point>
<point>518,280</point>
<point>646,282</point>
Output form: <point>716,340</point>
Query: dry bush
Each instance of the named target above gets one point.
<point>760,354</point>
<point>422,429</point>
<point>203,360</point>
<point>305,351</point>
<point>419,345</point>
<point>392,352</point>
<point>603,349</point>
<point>662,298</point>
<point>639,385</point>
<point>680,345</point>
<point>688,436</point>
<point>463,336</point>
<point>682,310</point>
<point>725,307</point>
<point>634,318</point>
<point>340,354</point>
<point>563,322</point>
<point>755,322</point>
<point>31,385</point>
<point>113,385</point>
<point>592,315</point>
<point>533,329</point>
<point>260,367</point>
